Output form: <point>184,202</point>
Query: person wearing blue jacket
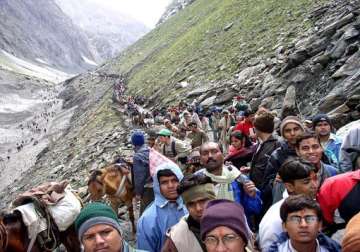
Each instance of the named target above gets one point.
<point>330,142</point>
<point>164,212</point>
<point>230,184</point>
<point>141,171</point>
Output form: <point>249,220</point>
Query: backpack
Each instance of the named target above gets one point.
<point>182,160</point>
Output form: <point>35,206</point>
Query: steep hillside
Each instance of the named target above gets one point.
<point>211,40</point>
<point>109,31</point>
<point>262,49</point>
<point>40,33</point>
<point>174,7</point>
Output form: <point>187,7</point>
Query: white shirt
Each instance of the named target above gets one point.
<point>270,226</point>
<point>287,247</point>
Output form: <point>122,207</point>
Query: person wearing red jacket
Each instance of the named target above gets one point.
<point>340,192</point>
<point>246,126</point>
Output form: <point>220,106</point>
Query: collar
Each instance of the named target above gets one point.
<point>162,202</point>
<point>292,249</point>
<point>332,137</point>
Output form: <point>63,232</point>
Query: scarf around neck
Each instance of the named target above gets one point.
<point>224,188</point>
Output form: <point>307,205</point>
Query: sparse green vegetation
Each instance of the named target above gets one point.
<point>195,42</point>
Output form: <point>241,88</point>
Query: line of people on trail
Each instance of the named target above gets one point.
<point>253,182</point>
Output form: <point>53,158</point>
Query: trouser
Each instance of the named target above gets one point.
<point>146,199</point>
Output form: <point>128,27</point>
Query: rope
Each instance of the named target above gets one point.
<point>121,187</point>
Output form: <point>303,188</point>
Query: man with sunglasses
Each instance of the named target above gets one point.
<point>301,218</point>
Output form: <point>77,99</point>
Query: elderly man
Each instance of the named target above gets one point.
<point>98,229</point>
<point>223,227</point>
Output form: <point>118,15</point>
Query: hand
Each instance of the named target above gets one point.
<point>250,188</point>
<point>137,197</point>
<point>245,169</point>
<point>278,178</point>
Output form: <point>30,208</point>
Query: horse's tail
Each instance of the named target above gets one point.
<point>3,237</point>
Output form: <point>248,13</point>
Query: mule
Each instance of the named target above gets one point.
<point>115,182</point>
<point>14,236</point>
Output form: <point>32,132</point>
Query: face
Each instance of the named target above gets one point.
<point>196,207</point>
<point>163,139</point>
<point>226,115</point>
<point>307,186</point>
<point>250,118</point>
<point>151,142</point>
<point>306,230</point>
<point>238,144</point>
<point>211,157</point>
<point>102,238</point>
<point>193,128</point>
<point>167,125</point>
<point>223,239</point>
<point>323,128</point>
<point>168,187</point>
<point>310,150</point>
<point>291,131</point>
<point>187,117</point>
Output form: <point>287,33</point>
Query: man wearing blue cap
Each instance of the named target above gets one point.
<point>141,172</point>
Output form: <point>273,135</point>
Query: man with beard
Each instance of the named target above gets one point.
<point>329,141</point>
<point>196,190</point>
<point>298,177</point>
<point>229,183</point>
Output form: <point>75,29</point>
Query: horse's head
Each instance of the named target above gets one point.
<point>13,232</point>
<point>95,185</point>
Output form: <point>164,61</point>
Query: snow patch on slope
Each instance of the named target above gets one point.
<point>13,63</point>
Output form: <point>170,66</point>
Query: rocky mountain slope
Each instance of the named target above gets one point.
<point>40,33</point>
<point>296,57</point>
<point>108,31</point>
<point>174,7</point>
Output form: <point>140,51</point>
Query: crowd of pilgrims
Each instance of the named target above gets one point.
<point>238,180</point>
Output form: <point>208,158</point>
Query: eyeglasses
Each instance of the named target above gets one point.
<point>309,219</point>
<point>227,240</point>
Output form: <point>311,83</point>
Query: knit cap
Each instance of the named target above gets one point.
<point>290,119</point>
<point>199,191</point>
<point>264,122</point>
<point>227,213</point>
<point>93,214</point>
<point>138,138</point>
<point>351,240</point>
<point>320,118</point>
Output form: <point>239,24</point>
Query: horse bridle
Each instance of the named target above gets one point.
<point>3,237</point>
